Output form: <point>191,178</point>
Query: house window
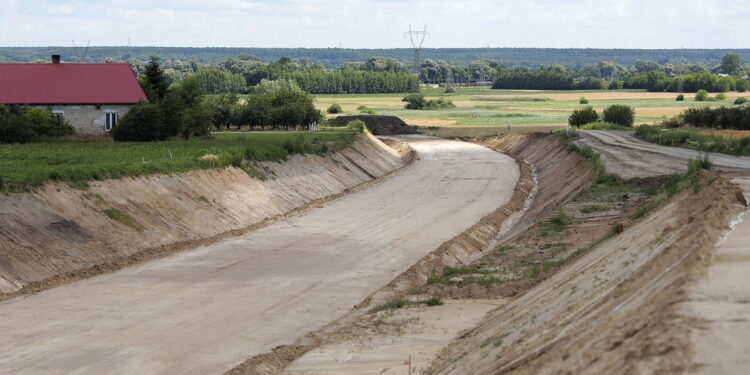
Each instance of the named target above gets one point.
<point>110,120</point>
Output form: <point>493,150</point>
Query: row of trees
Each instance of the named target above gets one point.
<point>241,74</point>
<point>354,82</point>
<point>183,109</point>
<point>736,118</point>
<point>381,74</point>
<point>659,81</point>
<point>555,77</point>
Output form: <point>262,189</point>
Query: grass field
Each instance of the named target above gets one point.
<point>478,107</point>
<point>24,166</point>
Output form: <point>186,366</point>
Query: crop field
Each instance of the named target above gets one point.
<point>480,107</point>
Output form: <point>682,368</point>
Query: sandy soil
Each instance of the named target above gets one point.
<point>385,347</point>
<point>206,310</point>
<point>611,311</point>
<point>717,301</point>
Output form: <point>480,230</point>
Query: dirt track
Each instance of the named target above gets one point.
<point>628,156</point>
<point>206,310</point>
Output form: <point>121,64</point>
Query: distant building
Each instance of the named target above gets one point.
<point>746,77</point>
<point>92,97</point>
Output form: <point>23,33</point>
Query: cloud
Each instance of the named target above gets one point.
<point>377,23</point>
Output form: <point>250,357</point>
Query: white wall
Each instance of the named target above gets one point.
<point>88,119</point>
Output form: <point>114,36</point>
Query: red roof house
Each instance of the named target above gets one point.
<point>91,96</point>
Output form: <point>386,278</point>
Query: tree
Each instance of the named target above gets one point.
<point>619,114</point>
<point>224,108</point>
<point>583,116</point>
<point>144,122</point>
<point>730,64</point>
<point>154,83</point>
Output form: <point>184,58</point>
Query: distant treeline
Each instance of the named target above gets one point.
<point>658,81</point>
<point>334,57</point>
<point>729,75</point>
<point>354,82</point>
<point>547,78</point>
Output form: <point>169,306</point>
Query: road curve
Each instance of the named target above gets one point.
<point>206,310</point>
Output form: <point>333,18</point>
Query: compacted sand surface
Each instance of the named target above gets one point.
<point>206,310</point>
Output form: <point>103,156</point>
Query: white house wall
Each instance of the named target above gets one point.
<point>88,119</point>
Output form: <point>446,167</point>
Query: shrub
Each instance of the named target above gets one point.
<point>144,122</point>
<point>619,114</point>
<point>583,100</point>
<point>362,108</point>
<point>741,85</point>
<point>701,96</point>
<point>439,104</point>
<point>680,98</point>
<point>368,111</point>
<point>721,96</point>
<point>334,108</point>
<point>583,116</point>
<point>740,100</point>
<point>356,125</point>
<point>415,101</point>
<point>19,124</point>
<point>450,90</point>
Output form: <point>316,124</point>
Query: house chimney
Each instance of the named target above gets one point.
<point>55,59</point>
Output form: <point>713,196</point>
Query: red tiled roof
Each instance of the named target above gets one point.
<point>68,84</point>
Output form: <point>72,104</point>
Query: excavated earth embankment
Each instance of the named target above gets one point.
<point>550,175</point>
<point>614,310</point>
<point>58,234</point>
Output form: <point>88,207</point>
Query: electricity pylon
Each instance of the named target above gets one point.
<point>417,38</point>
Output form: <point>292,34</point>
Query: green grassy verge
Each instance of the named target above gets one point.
<point>123,218</point>
<point>25,166</point>
<point>694,140</point>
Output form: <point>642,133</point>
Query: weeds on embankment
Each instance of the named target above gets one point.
<point>26,166</point>
<point>401,302</point>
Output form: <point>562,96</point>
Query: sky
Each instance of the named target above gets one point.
<point>377,23</point>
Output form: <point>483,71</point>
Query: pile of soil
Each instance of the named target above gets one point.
<point>378,125</point>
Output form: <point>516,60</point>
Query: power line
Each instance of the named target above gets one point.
<point>417,38</point>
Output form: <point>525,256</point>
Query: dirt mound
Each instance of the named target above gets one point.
<point>378,125</point>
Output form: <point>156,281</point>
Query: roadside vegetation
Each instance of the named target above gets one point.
<point>25,166</point>
<point>693,139</point>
